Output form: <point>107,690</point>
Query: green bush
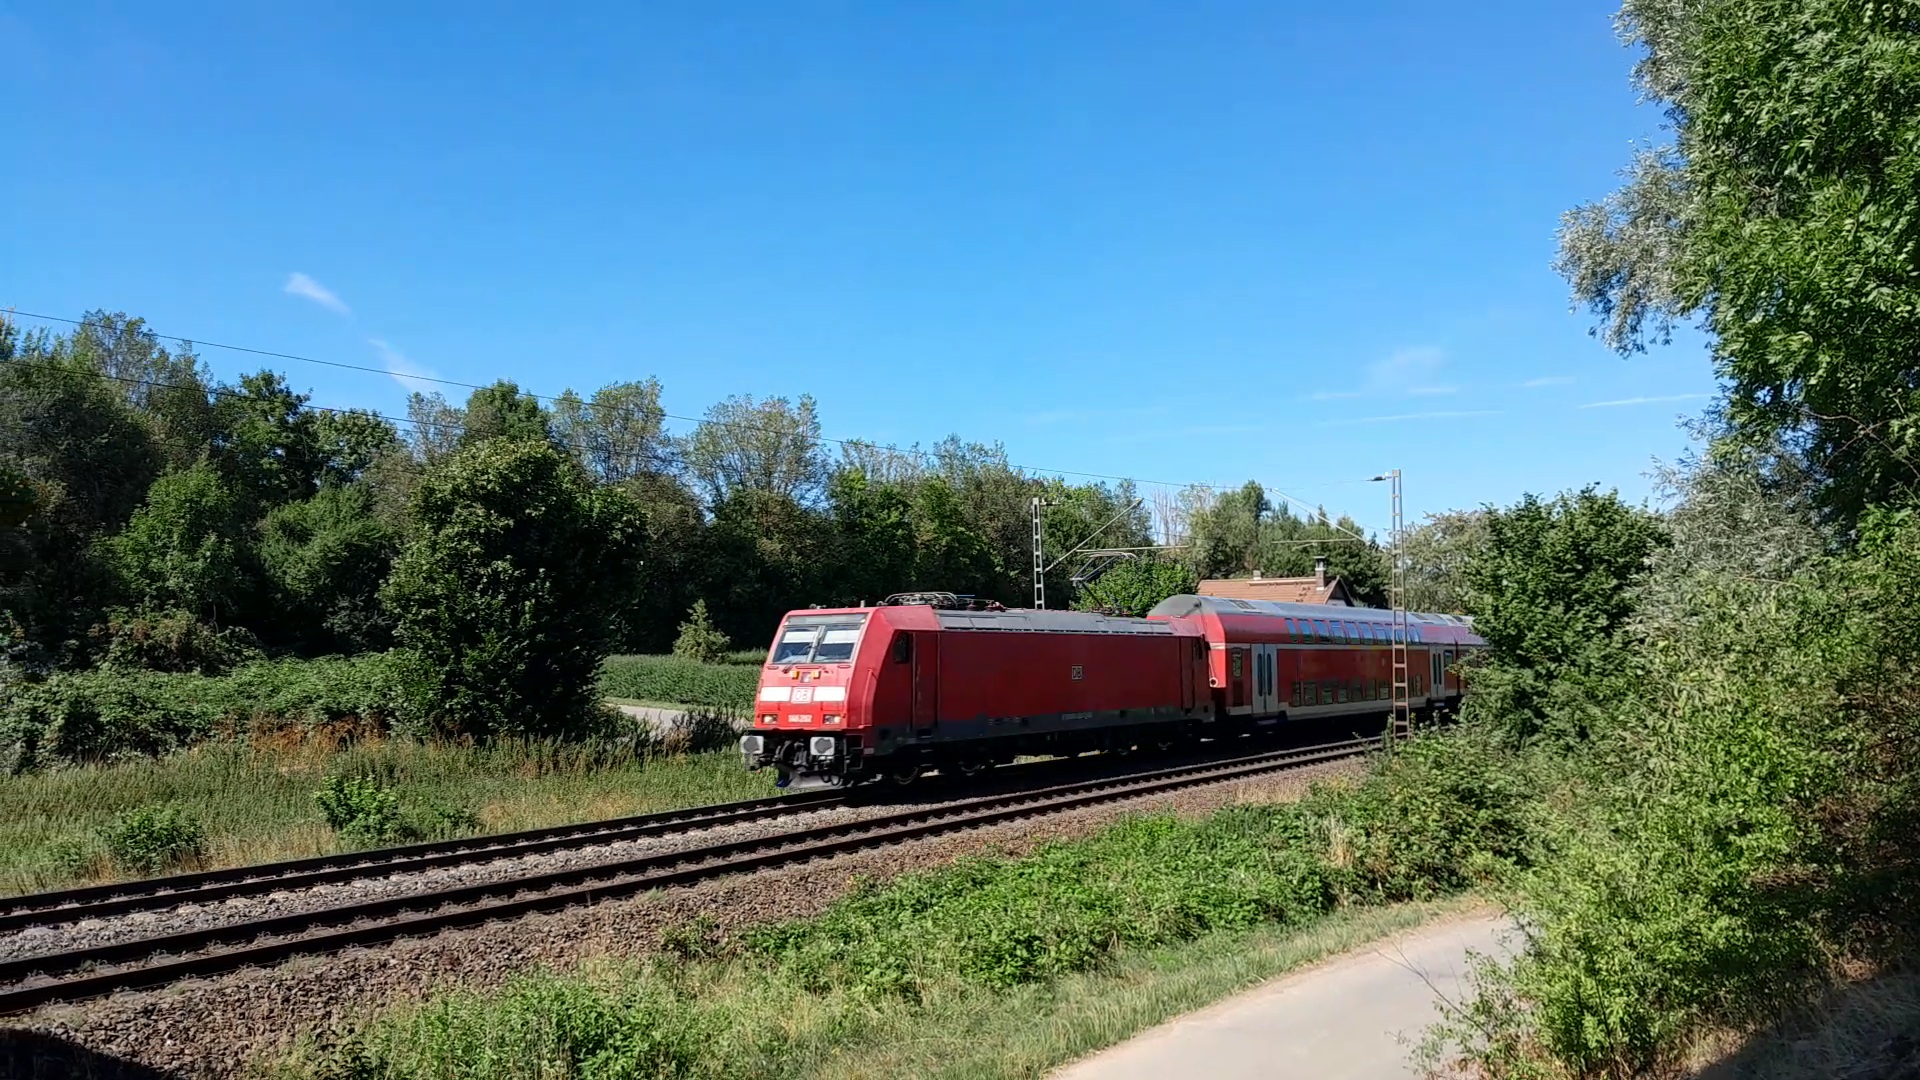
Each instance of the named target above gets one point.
<point>96,716</point>
<point>154,838</point>
<point>364,812</point>
<point>109,714</point>
<point>672,680</point>
<point>508,595</point>
<point>174,641</point>
<point>700,640</point>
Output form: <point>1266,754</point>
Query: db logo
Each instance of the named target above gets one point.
<point>1079,673</point>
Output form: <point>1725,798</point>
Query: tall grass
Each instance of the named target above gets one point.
<point>254,798</point>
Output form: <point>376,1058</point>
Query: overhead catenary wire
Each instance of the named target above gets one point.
<point>698,422</point>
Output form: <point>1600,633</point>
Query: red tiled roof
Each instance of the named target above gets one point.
<point>1289,590</point>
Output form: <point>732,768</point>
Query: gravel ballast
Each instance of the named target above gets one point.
<point>215,1028</point>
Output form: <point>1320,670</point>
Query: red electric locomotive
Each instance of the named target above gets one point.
<point>851,694</point>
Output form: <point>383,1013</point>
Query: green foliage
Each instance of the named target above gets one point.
<point>182,550</point>
<point>362,811</point>
<point>151,839</point>
<point>1134,586</point>
<point>508,595</point>
<point>170,641</point>
<point>325,558</point>
<point>268,445</point>
<point>91,460</point>
<point>700,641</point>
<point>18,497</point>
<point>1786,214</point>
<point>1549,590</point>
<point>1439,552</point>
<point>503,411</point>
<point>676,681</point>
<point>1240,533</point>
<point>111,715</point>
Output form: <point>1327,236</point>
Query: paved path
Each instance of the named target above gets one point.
<point>661,719</point>
<point>1357,1017</point>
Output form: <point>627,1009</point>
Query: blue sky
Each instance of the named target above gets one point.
<point>1182,242</point>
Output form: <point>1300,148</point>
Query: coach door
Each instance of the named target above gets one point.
<point>1266,680</point>
<point>926,685</point>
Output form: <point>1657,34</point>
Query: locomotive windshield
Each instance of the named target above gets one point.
<point>818,639</point>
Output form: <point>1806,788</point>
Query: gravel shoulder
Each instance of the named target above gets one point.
<point>218,1028</point>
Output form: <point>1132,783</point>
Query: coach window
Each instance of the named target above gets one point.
<point>1320,631</point>
<point>1236,663</point>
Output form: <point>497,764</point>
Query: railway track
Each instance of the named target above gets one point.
<point>154,894</point>
<point>164,958</point>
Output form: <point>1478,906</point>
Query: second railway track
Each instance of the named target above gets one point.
<point>163,958</point>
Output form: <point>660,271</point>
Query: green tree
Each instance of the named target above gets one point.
<point>874,547</point>
<point>950,555</point>
<point>699,639</point>
<point>1438,552</point>
<point>325,559</point>
<point>350,442</point>
<point>509,593</point>
<point>18,498</point>
<point>1549,593</point>
<point>768,554</point>
<point>181,550</point>
<point>168,390</point>
<point>503,411</point>
<point>268,442</point>
<point>89,459</point>
<point>1785,215</point>
<point>769,447</point>
<point>1134,586</point>
<point>619,434</point>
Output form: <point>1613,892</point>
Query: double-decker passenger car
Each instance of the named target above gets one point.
<point>850,694</point>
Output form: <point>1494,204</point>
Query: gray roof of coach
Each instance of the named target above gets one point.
<point>1189,604</point>
<point>1083,622</point>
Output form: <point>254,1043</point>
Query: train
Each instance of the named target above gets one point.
<point>919,683</point>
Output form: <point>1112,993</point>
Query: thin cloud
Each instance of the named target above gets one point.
<point>301,285</point>
<point>1547,380</point>
<point>402,369</point>
<point>1641,401</point>
<point>1409,372</point>
<point>1442,414</point>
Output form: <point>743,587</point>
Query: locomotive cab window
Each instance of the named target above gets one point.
<point>902,647</point>
<point>818,639</point>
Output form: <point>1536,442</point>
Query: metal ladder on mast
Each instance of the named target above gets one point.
<point>1402,685</point>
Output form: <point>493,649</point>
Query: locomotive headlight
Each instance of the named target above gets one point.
<point>822,745</point>
<point>752,745</point>
<point>830,718</point>
<point>768,718</point>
